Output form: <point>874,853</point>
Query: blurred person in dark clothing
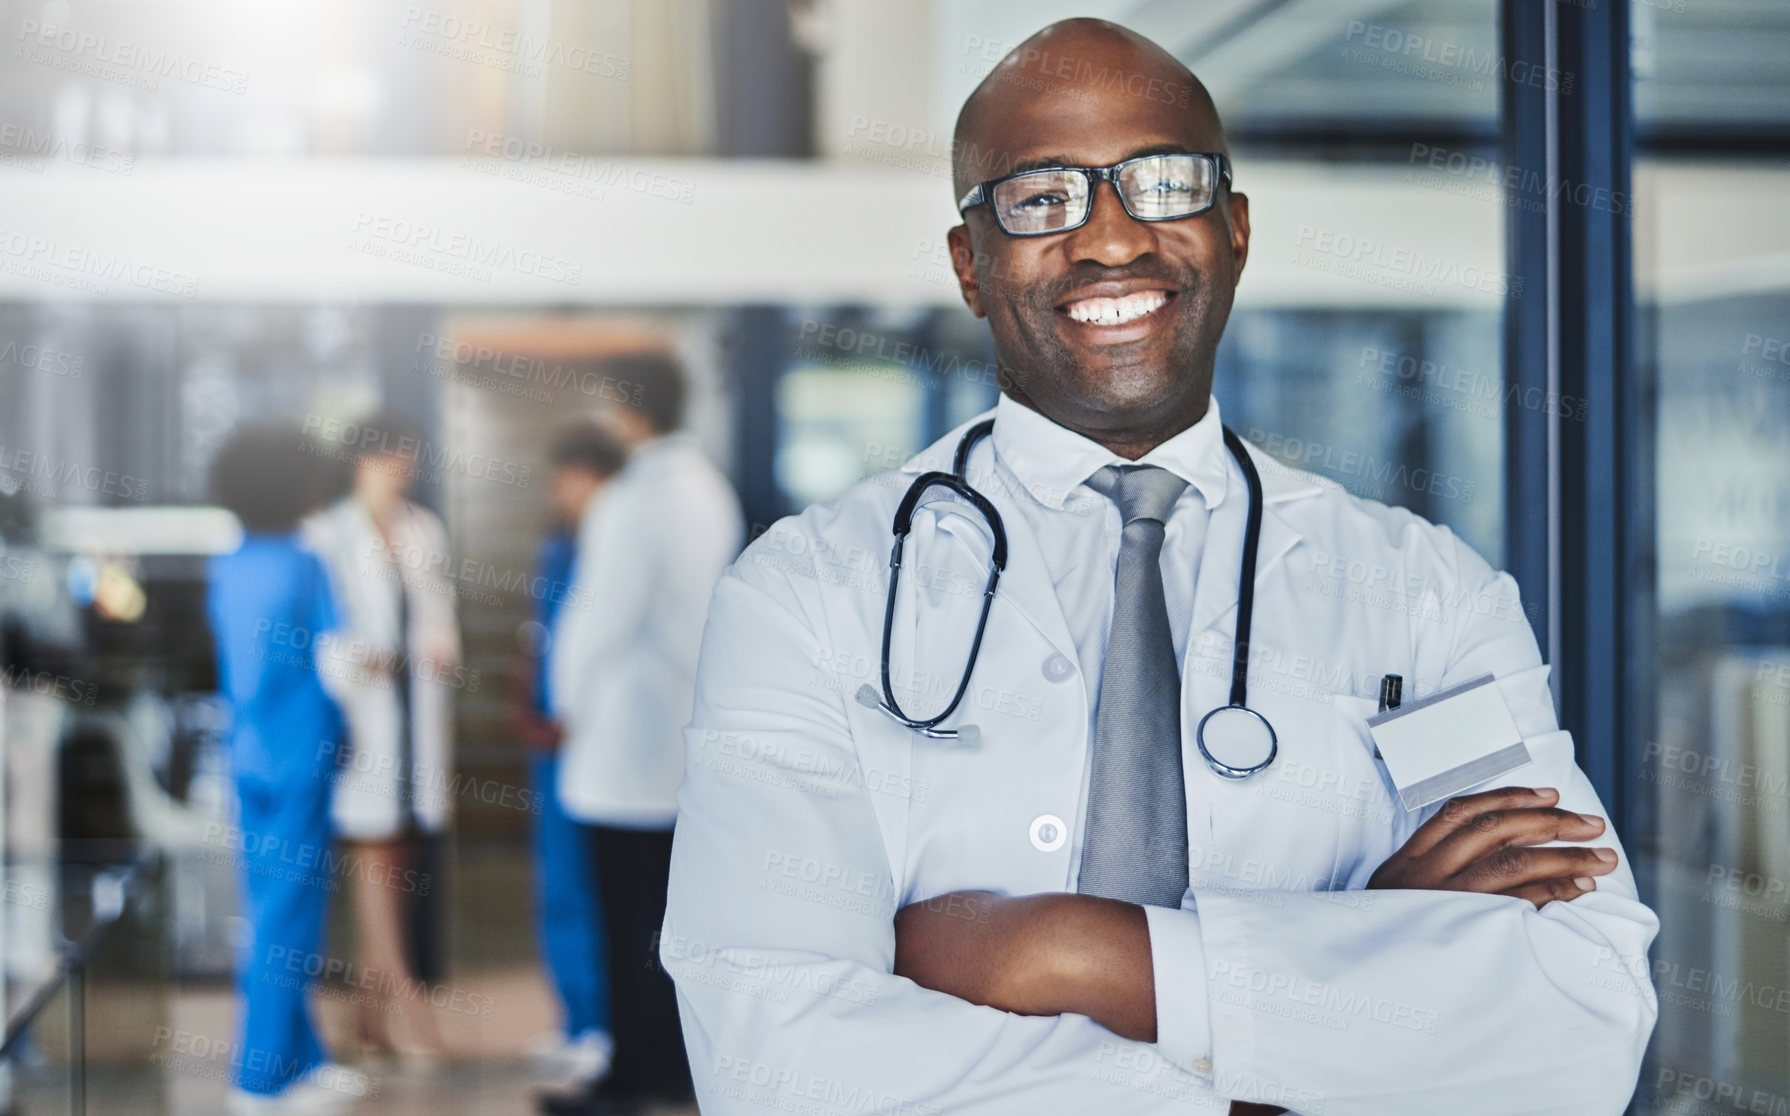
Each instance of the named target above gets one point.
<point>568,910</point>
<point>269,604</point>
<point>651,546</point>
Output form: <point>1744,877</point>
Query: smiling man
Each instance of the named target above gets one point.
<point>1111,329</point>
<point>1031,882</point>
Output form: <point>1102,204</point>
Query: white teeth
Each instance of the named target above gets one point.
<point>1116,311</point>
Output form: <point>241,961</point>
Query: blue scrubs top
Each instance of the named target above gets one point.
<point>268,603</point>
<point>558,554</point>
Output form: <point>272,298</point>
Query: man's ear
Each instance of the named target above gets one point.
<point>1239,214</point>
<point>963,262</point>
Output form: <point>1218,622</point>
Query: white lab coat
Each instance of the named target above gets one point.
<point>365,574</point>
<point>807,819</point>
<point>651,545</point>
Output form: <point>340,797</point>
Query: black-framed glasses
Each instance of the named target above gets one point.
<point>1057,199</point>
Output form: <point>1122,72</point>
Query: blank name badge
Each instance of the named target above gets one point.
<point>1445,743</point>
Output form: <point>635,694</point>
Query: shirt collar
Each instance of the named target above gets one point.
<point>668,444</point>
<point>1053,462</point>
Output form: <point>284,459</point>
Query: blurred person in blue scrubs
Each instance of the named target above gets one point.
<point>568,911</point>
<point>269,603</point>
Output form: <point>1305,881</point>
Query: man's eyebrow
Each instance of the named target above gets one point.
<point>1041,161</point>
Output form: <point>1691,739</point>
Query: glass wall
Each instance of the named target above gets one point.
<point>1710,794</point>
<point>1365,344</point>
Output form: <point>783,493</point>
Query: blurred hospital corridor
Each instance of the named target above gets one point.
<point>393,393</point>
<point>170,1064</point>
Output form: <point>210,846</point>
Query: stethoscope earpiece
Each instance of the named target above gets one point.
<point>970,736</point>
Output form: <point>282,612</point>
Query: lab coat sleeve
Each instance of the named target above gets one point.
<point>346,650</point>
<point>323,617</point>
<point>437,628</point>
<point>1178,971</point>
<point>603,612</point>
<point>778,929</point>
<point>1420,1001</point>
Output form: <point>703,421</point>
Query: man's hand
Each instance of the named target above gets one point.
<point>542,734</point>
<point>1486,843</point>
<point>537,731</point>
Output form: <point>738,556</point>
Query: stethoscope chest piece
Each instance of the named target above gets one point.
<point>1236,741</point>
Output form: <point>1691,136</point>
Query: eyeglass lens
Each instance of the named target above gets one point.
<point>1155,188</point>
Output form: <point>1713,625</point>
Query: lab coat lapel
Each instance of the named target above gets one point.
<point>1215,597</point>
<point>1025,582</point>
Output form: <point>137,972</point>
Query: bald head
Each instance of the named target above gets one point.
<point>1076,66</point>
<point>1109,325</point>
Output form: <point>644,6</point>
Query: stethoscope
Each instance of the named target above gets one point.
<point>1235,740</point>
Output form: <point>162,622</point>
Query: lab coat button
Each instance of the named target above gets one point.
<point>1058,667</point>
<point>1048,833</point>
<point>1203,1066</point>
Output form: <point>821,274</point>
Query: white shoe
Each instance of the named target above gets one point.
<point>586,1058</point>
<point>339,1080</point>
<point>579,1061</point>
<point>325,1089</point>
<point>546,1048</point>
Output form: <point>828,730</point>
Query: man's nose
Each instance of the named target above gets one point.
<point>1111,236</point>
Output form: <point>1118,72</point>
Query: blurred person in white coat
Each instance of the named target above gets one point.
<point>1077,908</point>
<point>392,669</point>
<point>651,544</point>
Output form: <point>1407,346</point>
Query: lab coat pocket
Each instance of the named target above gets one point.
<point>1277,829</point>
<point>1374,823</point>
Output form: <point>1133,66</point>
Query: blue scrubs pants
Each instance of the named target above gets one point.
<point>568,910</point>
<point>286,864</point>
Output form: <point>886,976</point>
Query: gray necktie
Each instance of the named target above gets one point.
<point>1135,845</point>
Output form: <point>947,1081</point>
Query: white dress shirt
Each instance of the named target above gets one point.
<point>1052,463</point>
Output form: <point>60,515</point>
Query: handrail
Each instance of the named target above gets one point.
<point>72,956</point>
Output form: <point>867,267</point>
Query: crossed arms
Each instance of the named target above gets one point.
<point>1053,954</point>
<point>1449,985</point>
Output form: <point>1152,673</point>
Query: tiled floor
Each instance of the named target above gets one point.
<point>498,1087</point>
<point>493,1004</point>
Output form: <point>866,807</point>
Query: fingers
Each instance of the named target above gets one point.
<point>1546,891</point>
<point>1514,866</point>
<point>1459,812</point>
<point>1495,830</point>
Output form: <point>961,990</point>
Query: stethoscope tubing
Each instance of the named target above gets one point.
<point>957,480</point>
<point>1252,539</point>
